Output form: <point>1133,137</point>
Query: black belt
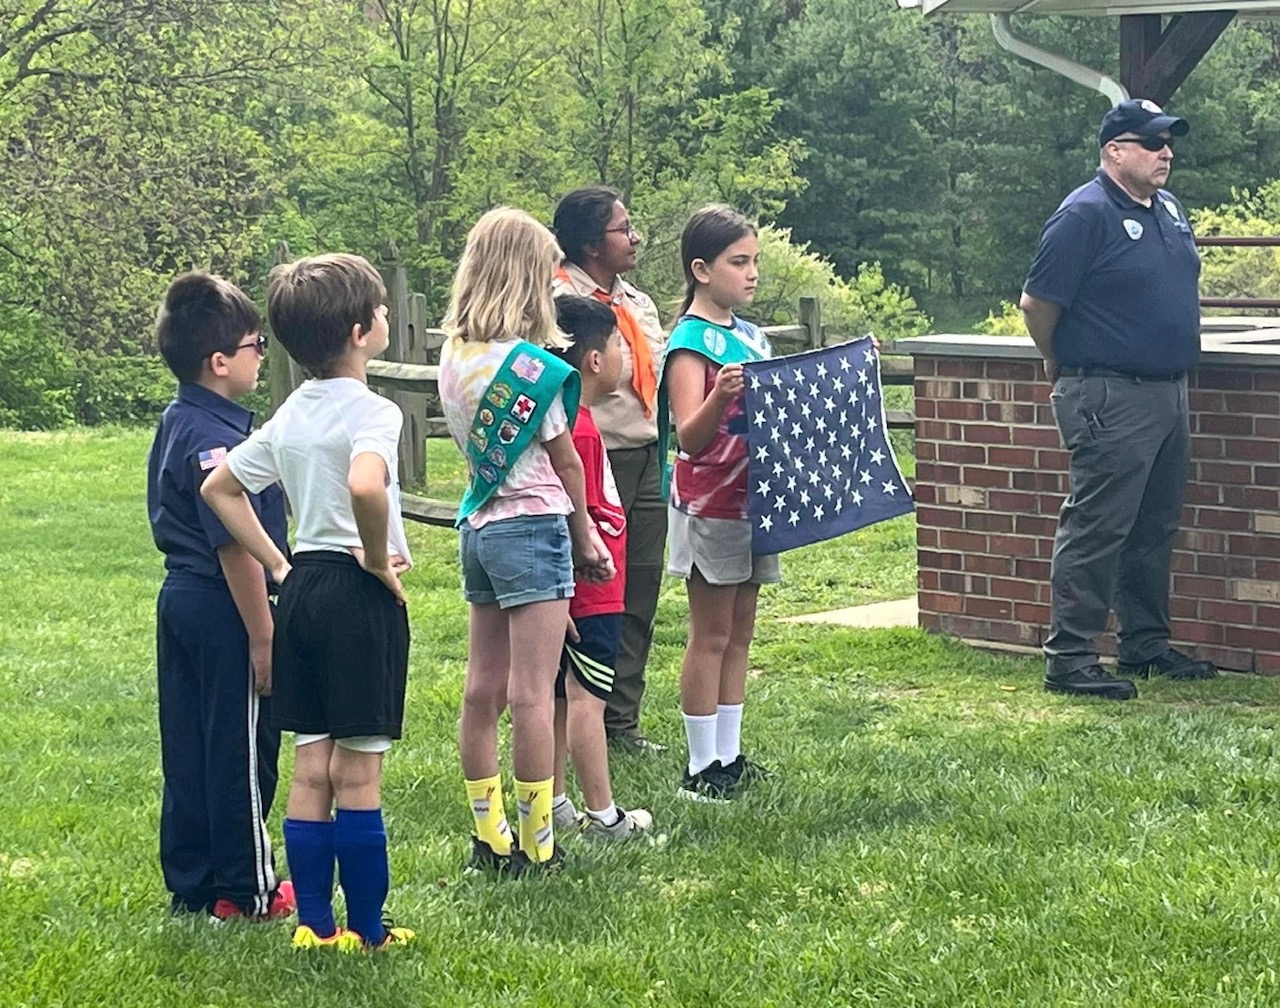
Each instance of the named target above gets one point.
<point>1101,372</point>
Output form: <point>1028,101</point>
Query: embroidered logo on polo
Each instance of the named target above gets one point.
<point>1132,228</point>
<point>524,406</point>
<point>527,368</point>
<point>500,394</point>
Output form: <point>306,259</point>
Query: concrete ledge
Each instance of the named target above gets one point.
<point>1254,348</point>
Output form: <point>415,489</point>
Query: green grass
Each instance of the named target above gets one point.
<point>940,831</point>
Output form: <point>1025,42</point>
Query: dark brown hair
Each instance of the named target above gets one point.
<point>201,315</point>
<point>709,232</point>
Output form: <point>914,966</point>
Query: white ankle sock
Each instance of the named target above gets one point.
<point>700,731</point>
<point>728,732</point>
<point>607,816</point>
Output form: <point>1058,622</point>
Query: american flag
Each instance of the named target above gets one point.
<point>819,459</point>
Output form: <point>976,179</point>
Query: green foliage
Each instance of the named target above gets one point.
<point>35,373</point>
<point>119,388</point>
<point>1006,320</point>
<point>1241,272</point>
<point>850,308</point>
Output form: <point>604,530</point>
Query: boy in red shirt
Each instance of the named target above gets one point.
<point>595,613</point>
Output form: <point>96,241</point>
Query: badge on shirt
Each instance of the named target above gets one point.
<point>1133,228</point>
<point>1172,208</point>
<point>211,458</point>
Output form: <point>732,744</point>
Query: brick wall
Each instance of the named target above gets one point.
<point>992,474</point>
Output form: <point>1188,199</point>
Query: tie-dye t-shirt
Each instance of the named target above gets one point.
<point>532,486</point>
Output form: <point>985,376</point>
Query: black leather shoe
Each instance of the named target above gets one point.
<point>1090,681</point>
<point>1173,664</point>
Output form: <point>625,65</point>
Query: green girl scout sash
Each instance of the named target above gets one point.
<point>509,415</point>
<point>717,343</point>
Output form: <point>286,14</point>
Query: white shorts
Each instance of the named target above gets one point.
<point>719,547</point>
<point>357,743</point>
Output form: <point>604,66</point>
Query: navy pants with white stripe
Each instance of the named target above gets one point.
<point>217,751</point>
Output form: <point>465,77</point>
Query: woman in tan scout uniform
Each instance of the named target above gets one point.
<point>599,242</point>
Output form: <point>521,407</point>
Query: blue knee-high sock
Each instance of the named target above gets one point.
<point>360,842</point>
<point>309,847</point>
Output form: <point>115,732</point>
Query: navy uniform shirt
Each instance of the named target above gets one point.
<point>196,431</point>
<point>1127,278</point>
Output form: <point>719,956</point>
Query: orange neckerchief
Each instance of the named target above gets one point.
<point>644,378</point>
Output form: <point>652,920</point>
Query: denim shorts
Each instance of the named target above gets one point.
<point>516,561</point>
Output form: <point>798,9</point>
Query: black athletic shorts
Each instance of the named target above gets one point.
<point>341,652</point>
<point>593,659</point>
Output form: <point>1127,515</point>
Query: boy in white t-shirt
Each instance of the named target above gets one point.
<point>341,648</point>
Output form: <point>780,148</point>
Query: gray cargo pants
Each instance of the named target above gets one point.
<point>1130,447</point>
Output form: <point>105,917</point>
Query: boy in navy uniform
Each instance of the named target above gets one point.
<point>213,618</point>
<point>342,639</point>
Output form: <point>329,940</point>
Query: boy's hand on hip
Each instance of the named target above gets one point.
<point>388,572</point>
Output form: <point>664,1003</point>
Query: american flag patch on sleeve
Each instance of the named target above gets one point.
<point>210,459</point>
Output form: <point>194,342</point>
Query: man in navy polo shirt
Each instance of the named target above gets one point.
<point>1112,302</point>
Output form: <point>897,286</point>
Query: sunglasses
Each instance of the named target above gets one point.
<point>1151,143</point>
<point>259,344</point>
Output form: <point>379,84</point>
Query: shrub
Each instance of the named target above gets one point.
<point>36,373</point>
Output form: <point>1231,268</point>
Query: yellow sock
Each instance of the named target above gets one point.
<point>485,797</point>
<point>533,800</point>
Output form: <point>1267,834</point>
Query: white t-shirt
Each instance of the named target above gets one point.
<point>532,486</point>
<point>308,446</point>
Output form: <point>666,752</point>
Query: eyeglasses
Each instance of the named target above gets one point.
<point>1151,143</point>
<point>259,344</point>
<point>628,230</point>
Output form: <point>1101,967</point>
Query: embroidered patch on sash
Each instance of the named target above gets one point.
<point>488,473</point>
<point>210,459</point>
<point>498,456</point>
<point>478,438</point>
<point>527,368</point>
<point>486,416</point>
<point>500,394</point>
<point>714,341</point>
<point>524,406</point>
<point>507,431</point>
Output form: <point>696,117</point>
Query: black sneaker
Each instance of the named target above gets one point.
<point>485,860</point>
<point>743,771</point>
<point>711,784</point>
<point>1173,664</point>
<point>523,866</point>
<point>1090,681</point>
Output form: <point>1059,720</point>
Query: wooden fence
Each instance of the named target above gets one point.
<point>408,373</point>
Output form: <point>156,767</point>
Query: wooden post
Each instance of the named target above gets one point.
<point>284,375</point>
<point>811,319</point>
<point>1154,61</point>
<point>403,348</point>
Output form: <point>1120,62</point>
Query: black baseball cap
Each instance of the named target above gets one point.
<point>1141,116</point>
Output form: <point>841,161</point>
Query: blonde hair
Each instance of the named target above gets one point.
<point>503,284</point>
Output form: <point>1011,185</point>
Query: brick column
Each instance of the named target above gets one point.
<point>991,476</point>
